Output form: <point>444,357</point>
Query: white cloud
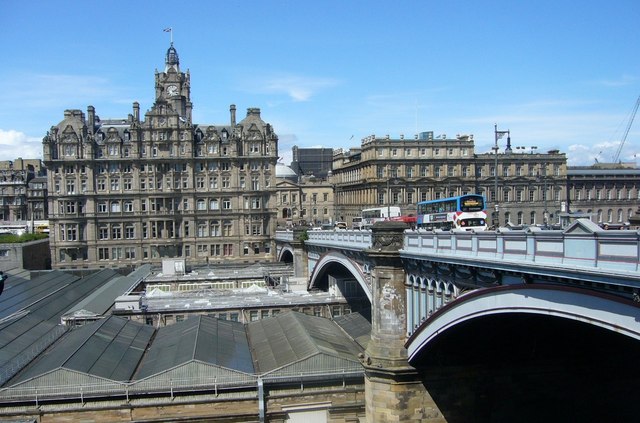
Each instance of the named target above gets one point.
<point>298,88</point>
<point>15,144</point>
<point>623,81</point>
<point>604,152</point>
<point>46,90</point>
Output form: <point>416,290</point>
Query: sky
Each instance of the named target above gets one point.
<point>557,74</point>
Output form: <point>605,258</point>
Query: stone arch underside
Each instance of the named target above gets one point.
<point>331,258</point>
<point>286,255</point>
<point>531,353</point>
<point>601,310</point>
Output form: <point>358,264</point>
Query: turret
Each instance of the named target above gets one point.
<point>171,60</point>
<point>232,110</point>
<point>91,113</point>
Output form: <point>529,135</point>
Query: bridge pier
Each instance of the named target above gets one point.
<point>300,258</point>
<point>393,389</point>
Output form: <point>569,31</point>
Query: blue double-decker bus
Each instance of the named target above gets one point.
<point>466,212</point>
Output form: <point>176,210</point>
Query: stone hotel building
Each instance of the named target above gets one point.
<point>122,192</point>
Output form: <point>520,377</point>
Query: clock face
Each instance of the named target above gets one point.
<point>172,90</point>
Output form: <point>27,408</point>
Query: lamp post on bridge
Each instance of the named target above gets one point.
<point>390,175</point>
<point>542,177</point>
<point>498,135</point>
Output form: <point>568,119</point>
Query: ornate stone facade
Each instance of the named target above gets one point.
<point>19,203</point>
<point>607,193</point>
<point>305,201</point>
<point>128,191</point>
<point>528,188</point>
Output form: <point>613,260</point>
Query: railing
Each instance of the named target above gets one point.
<point>586,252</point>
<point>161,386</point>
<point>344,238</point>
<point>340,238</point>
<point>284,236</point>
<point>607,252</point>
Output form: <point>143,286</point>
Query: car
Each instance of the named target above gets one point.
<point>608,226</point>
<point>341,225</point>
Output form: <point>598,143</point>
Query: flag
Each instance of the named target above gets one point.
<point>167,29</point>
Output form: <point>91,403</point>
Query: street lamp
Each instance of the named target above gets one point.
<point>498,135</point>
<point>388,199</point>
<point>390,175</point>
<point>543,177</point>
<point>545,216</point>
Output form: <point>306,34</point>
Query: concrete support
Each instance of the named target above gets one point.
<point>393,390</point>
<point>300,257</point>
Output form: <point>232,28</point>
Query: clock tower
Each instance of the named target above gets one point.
<point>162,186</point>
<point>173,88</point>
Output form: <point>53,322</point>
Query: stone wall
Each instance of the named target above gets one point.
<point>33,255</point>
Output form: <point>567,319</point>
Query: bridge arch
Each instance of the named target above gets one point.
<point>331,258</point>
<point>602,310</point>
<point>531,353</point>
<point>286,254</point>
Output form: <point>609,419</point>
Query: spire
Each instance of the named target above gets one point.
<point>172,57</point>
<point>171,60</point>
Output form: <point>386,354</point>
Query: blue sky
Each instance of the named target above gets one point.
<point>558,74</point>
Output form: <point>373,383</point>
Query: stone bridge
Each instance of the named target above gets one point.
<point>425,287</point>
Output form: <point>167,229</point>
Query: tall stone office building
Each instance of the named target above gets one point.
<point>522,187</point>
<point>139,189</point>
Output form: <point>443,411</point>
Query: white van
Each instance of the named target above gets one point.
<point>356,223</point>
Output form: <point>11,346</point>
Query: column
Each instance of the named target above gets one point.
<point>393,389</point>
<point>300,255</point>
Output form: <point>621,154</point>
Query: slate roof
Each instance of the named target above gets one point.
<point>110,348</point>
<point>30,315</point>
<point>205,339</point>
<point>100,301</point>
<point>37,351</point>
<point>25,295</point>
<point>290,337</point>
<point>356,326</point>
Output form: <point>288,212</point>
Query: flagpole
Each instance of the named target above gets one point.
<point>170,31</point>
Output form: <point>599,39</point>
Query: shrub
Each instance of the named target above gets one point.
<point>16,239</point>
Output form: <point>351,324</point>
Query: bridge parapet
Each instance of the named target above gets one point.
<point>284,236</point>
<point>606,251</point>
<point>341,238</point>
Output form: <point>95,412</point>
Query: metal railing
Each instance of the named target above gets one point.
<point>606,252</point>
<point>159,386</point>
